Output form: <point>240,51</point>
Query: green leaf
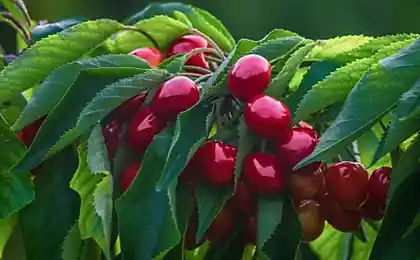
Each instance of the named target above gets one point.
<point>246,143</point>
<point>72,244</point>
<point>367,145</point>
<point>399,129</point>
<point>390,243</point>
<point>331,47</point>
<point>155,9</point>
<point>12,108</point>
<point>174,64</point>
<point>85,183</point>
<point>6,226</point>
<point>276,48</point>
<point>50,139</point>
<point>97,155</point>
<point>280,83</point>
<point>285,239</point>
<point>339,83</point>
<point>44,30</point>
<point>162,29</point>
<point>270,212</point>
<point>145,220</point>
<point>191,130</point>
<point>43,234</point>
<point>391,78</point>
<point>14,249</point>
<point>16,189</point>
<point>43,57</point>
<point>55,86</point>
<point>18,9</point>
<point>90,251</point>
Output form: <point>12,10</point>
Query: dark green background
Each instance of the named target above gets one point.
<point>254,18</point>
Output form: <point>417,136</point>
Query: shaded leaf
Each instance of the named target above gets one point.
<point>246,143</point>
<point>43,30</point>
<point>276,48</point>
<point>43,57</point>
<point>155,9</point>
<point>97,155</point>
<point>12,108</point>
<point>72,244</point>
<point>270,212</point>
<point>7,226</point>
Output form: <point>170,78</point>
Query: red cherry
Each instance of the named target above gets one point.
<point>217,161</point>
<point>174,96</point>
<point>151,55</point>
<point>190,235</point>
<point>251,229</point>
<point>28,133</point>
<point>347,184</point>
<point>112,133</point>
<point>142,129</point>
<point>192,169</point>
<point>339,218</point>
<point>128,175</point>
<point>378,184</point>
<point>263,174</point>
<point>295,146</point>
<point>129,108</point>
<point>243,201</point>
<point>373,210</point>
<point>267,116</point>
<point>306,184</point>
<point>222,226</point>
<point>249,77</point>
<point>186,44</point>
<point>311,220</point>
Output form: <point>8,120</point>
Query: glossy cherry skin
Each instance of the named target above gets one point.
<point>151,55</point>
<point>347,184</point>
<point>129,108</point>
<point>311,219</point>
<point>142,129</point>
<point>175,96</point>
<point>217,162</point>
<point>28,133</point>
<point>267,116</point>
<point>251,229</point>
<point>112,133</point>
<point>378,184</point>
<point>222,226</point>
<point>263,173</point>
<point>294,146</point>
<point>186,44</point>
<point>128,175</point>
<point>249,77</point>
<point>306,184</point>
<point>244,201</point>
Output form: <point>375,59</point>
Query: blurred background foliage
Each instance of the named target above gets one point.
<point>254,18</point>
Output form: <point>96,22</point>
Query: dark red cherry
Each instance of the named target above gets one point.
<point>175,96</point>
<point>306,184</point>
<point>251,229</point>
<point>151,55</point>
<point>294,146</point>
<point>263,173</point>
<point>373,210</point>
<point>112,133</point>
<point>142,129</point>
<point>222,226</point>
<point>128,175</point>
<point>249,77</point>
<point>243,201</point>
<point>311,219</point>
<point>186,44</point>
<point>192,170</point>
<point>129,108</point>
<point>217,162</point>
<point>28,133</point>
<point>379,183</point>
<point>347,184</point>
<point>267,116</point>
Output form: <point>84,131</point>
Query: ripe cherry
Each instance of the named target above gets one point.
<point>295,146</point>
<point>222,226</point>
<point>192,169</point>
<point>347,184</point>
<point>129,108</point>
<point>251,229</point>
<point>311,219</point>
<point>373,210</point>
<point>249,77</point>
<point>339,218</point>
<point>378,184</point>
<point>267,116</point>
<point>142,128</point>
<point>306,184</point>
<point>151,55</point>
<point>186,44</point>
<point>112,133</point>
<point>128,175</point>
<point>174,96</point>
<point>28,133</point>
<point>217,162</point>
<point>263,173</point>
<point>243,201</point>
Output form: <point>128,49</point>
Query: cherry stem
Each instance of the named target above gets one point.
<point>145,34</point>
<point>202,78</point>
<point>200,50</point>
<point>190,74</point>
<point>212,43</point>
<point>211,58</point>
<point>198,69</point>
